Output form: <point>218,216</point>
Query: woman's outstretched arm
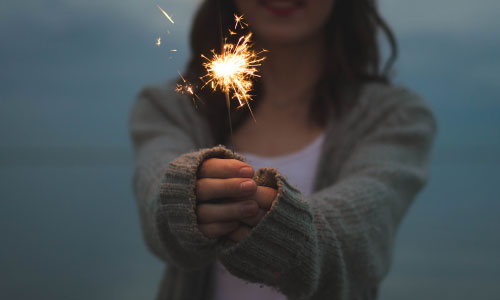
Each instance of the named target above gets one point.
<point>174,182</point>
<point>164,126</point>
<point>338,242</point>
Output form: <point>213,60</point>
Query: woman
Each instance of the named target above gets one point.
<point>347,153</point>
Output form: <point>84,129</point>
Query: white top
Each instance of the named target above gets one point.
<point>299,168</point>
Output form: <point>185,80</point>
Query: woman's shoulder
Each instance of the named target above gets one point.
<point>381,95</point>
<point>378,102</point>
<point>377,99</point>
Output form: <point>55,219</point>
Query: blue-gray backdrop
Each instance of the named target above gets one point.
<point>69,71</point>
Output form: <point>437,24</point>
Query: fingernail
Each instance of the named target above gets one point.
<point>247,186</point>
<point>246,172</point>
<point>249,208</point>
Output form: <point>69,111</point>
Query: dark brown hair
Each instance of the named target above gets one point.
<point>353,58</point>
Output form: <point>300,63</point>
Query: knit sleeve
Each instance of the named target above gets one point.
<point>166,135</point>
<point>336,244</point>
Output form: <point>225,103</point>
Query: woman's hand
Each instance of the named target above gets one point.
<point>224,179</point>
<point>265,197</point>
<point>244,203</point>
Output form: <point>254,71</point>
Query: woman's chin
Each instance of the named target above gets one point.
<point>280,37</point>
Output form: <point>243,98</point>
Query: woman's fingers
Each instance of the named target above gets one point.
<point>214,230</point>
<point>255,219</point>
<point>264,196</point>
<point>233,211</point>
<point>239,234</point>
<point>212,188</point>
<point>225,168</point>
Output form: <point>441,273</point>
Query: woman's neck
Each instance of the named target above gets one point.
<point>289,77</point>
<point>290,72</point>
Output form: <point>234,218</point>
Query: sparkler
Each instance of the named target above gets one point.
<point>232,70</point>
<point>187,89</point>
<point>165,14</point>
<point>239,21</point>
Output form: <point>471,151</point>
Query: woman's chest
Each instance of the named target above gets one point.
<point>274,139</point>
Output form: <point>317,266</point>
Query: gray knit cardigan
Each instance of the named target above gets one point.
<point>335,244</point>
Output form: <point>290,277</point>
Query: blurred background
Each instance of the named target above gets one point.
<point>69,71</point>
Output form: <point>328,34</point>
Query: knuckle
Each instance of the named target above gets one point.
<point>201,182</point>
<point>232,187</point>
<point>205,230</point>
<point>210,162</point>
<point>231,167</point>
<point>200,214</point>
<point>238,211</point>
<point>211,231</point>
<point>236,165</point>
<point>252,221</point>
<point>270,193</point>
<point>204,168</point>
<point>200,188</point>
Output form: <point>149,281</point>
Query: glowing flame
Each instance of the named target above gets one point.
<point>233,70</point>
<point>165,14</point>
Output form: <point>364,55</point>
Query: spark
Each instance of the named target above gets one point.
<point>173,50</point>
<point>187,89</point>
<point>239,21</point>
<point>233,70</point>
<point>232,32</point>
<point>165,14</point>
<point>158,42</point>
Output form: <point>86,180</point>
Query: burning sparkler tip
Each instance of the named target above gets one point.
<point>233,70</point>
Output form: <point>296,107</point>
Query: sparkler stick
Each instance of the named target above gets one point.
<point>233,69</point>
<point>228,102</point>
<point>228,105</point>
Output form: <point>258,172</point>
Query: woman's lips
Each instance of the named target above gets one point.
<point>282,8</point>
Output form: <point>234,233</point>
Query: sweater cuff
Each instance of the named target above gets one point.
<point>177,203</point>
<point>279,242</point>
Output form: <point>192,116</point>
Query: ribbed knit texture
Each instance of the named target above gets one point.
<point>335,244</point>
